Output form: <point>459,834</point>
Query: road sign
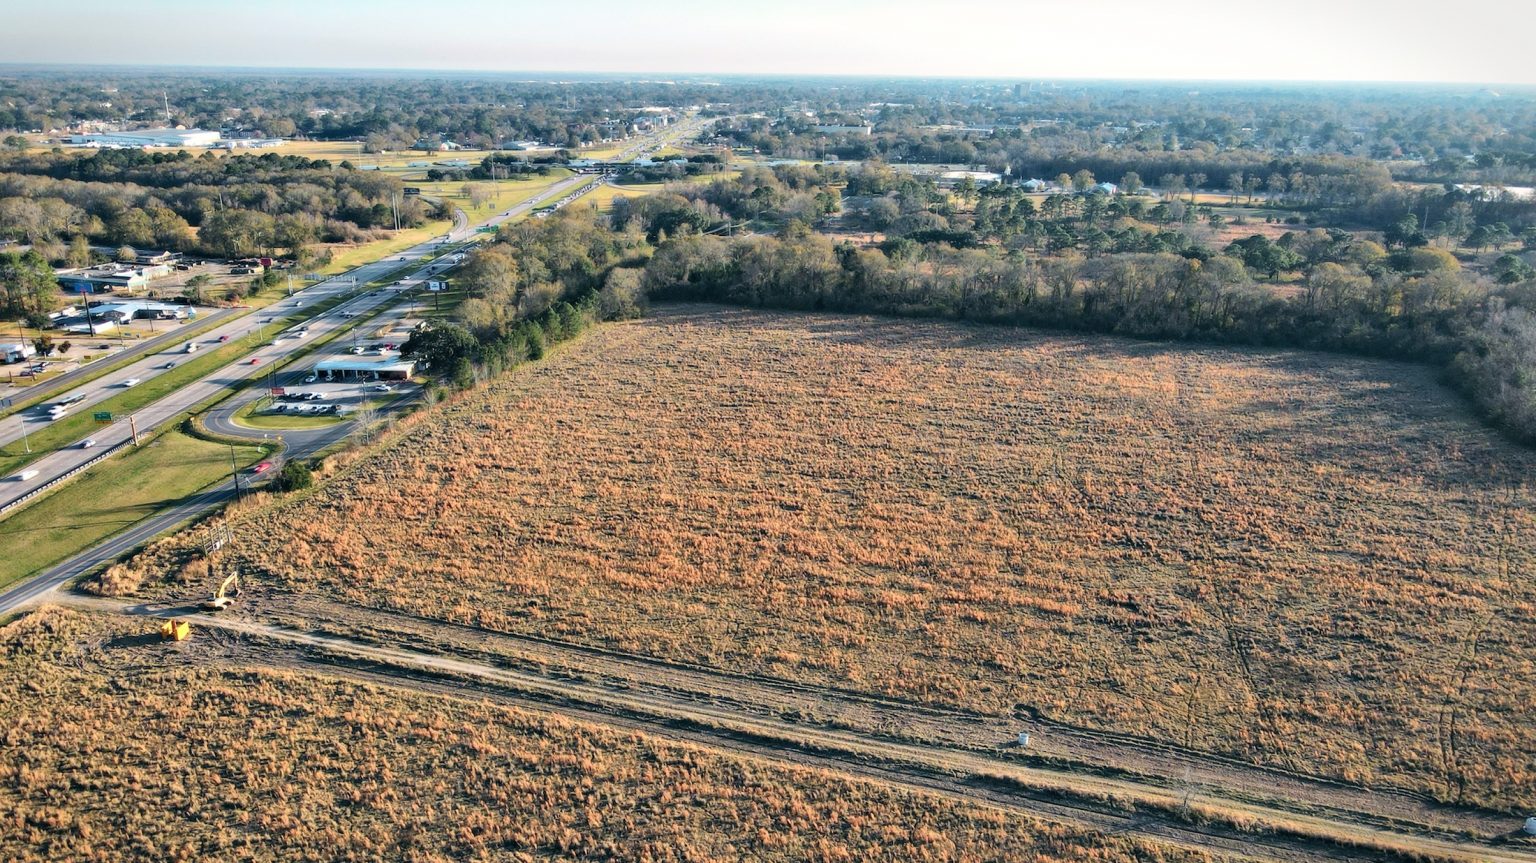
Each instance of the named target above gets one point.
<point>486,229</point>
<point>5,402</point>
<point>278,391</point>
<point>102,417</point>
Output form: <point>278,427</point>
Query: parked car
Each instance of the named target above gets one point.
<point>309,379</point>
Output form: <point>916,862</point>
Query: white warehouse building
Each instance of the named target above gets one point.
<point>148,138</point>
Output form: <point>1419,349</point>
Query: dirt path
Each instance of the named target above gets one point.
<point>719,711</point>
<point>1203,775</point>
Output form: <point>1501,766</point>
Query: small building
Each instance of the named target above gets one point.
<point>1106,188</point>
<point>17,352</point>
<point>390,367</point>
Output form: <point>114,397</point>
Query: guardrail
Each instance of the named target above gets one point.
<point>72,472</point>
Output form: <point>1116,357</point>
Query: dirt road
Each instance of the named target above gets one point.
<point>726,712</point>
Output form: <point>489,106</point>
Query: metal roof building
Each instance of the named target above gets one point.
<point>148,138</point>
<point>389,368</point>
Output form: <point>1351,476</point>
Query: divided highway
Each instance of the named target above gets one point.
<point>155,344</point>
<point>171,408</point>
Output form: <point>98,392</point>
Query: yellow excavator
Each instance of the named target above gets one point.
<point>175,630</point>
<point>225,597</point>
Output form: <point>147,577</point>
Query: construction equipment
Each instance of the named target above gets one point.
<point>175,630</point>
<point>224,598</point>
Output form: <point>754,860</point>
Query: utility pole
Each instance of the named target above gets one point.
<point>24,442</point>
<point>133,426</point>
<point>234,473</point>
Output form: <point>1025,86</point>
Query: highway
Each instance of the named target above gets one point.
<point>300,445</point>
<point>174,336</point>
<point>273,350</point>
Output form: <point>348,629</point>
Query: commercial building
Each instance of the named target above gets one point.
<point>387,368</point>
<point>109,278</point>
<point>980,178</point>
<point>17,352</point>
<point>148,138</point>
<point>142,310</point>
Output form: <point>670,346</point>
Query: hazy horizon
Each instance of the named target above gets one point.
<point>1309,41</point>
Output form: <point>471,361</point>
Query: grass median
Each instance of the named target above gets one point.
<point>112,496</point>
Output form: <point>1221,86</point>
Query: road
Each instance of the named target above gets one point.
<point>61,462</point>
<point>66,459</point>
<point>173,337</point>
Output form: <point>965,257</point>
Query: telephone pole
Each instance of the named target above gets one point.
<point>234,473</point>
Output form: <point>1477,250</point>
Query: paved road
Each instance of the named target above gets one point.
<point>173,337</point>
<point>300,445</point>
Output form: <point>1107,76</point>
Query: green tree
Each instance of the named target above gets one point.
<point>446,348</point>
<point>295,475</point>
<point>27,284</point>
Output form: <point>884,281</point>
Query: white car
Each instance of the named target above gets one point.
<point>310,379</point>
<point>382,388</point>
<point>131,382</point>
<point>88,443</point>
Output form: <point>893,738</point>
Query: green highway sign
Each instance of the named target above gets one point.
<point>103,417</point>
<point>486,229</point>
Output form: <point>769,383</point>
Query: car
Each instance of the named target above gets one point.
<point>262,468</point>
<point>382,388</point>
<point>310,379</point>
<point>255,361</point>
<point>169,365</point>
<point>314,397</point>
<point>223,338</point>
<point>88,443</point>
<point>357,350</point>
<point>130,382</point>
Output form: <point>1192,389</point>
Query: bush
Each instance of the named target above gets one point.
<point>294,476</point>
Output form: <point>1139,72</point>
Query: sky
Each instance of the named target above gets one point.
<point>1466,41</point>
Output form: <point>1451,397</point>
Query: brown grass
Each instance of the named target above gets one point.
<point>121,748</point>
<point>1299,560</point>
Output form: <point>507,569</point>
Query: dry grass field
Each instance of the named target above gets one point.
<point>1299,560</point>
<point>122,748</point>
